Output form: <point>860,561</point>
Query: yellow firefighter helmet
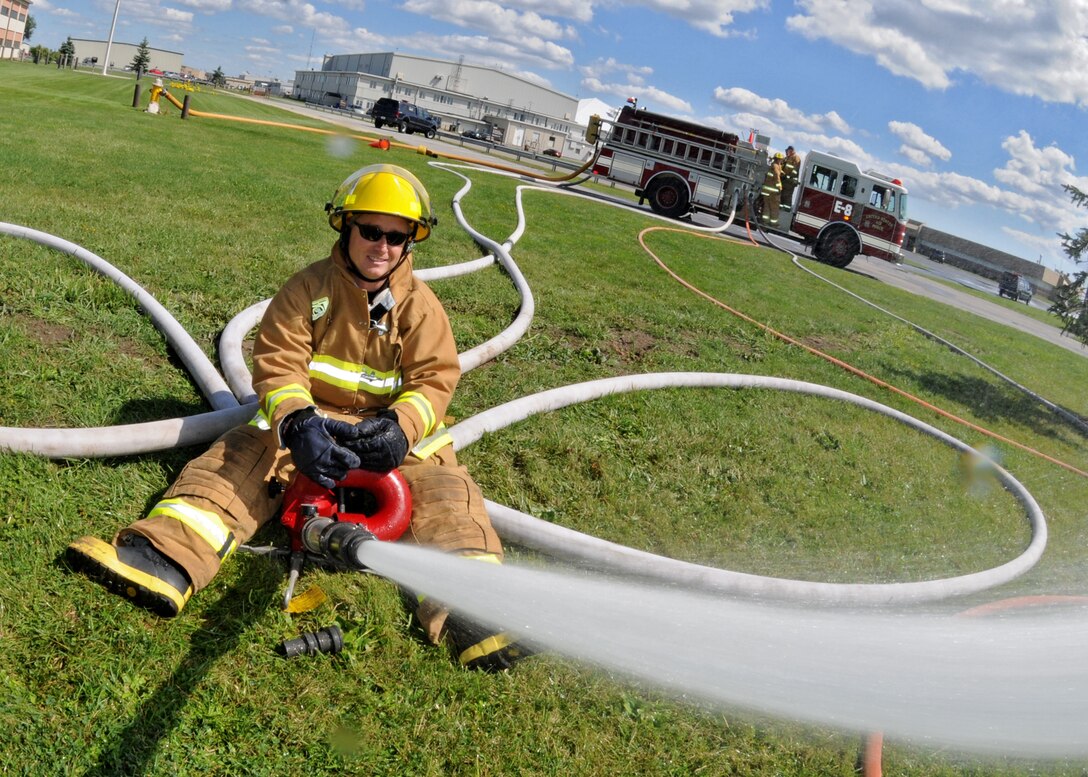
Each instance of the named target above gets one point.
<point>384,189</point>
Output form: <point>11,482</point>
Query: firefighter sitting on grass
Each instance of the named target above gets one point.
<point>354,365</point>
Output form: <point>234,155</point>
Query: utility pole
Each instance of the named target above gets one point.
<point>109,43</point>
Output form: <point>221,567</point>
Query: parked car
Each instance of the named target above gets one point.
<point>552,152</point>
<point>1016,287</point>
<point>405,116</point>
<point>476,135</point>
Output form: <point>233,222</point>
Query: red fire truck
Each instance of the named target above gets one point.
<point>680,166</point>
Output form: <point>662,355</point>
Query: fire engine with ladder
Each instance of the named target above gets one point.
<point>681,167</point>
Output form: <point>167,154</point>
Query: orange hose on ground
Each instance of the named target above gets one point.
<point>872,754</point>
<point>838,362</point>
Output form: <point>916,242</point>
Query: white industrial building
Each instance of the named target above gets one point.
<point>512,109</point>
<point>121,55</point>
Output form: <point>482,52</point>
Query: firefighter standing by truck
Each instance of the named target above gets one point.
<point>770,195</point>
<point>791,170</point>
<point>354,366</point>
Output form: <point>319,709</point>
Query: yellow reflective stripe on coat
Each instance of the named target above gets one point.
<point>280,395</point>
<point>423,406</point>
<point>260,421</point>
<point>354,377</point>
<point>428,446</point>
<point>204,522</point>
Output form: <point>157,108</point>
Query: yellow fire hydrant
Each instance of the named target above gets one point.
<point>156,92</point>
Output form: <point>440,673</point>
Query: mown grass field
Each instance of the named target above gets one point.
<point>211,216</point>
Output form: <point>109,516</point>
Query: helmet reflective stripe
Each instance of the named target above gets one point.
<point>384,189</point>
<point>291,390</point>
<point>429,445</point>
<point>205,523</point>
<point>422,405</point>
<point>354,377</point>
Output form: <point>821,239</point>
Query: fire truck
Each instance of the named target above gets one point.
<point>681,167</point>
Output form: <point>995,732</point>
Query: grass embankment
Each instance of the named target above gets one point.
<point>211,216</point>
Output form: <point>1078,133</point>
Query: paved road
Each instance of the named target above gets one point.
<point>926,283</point>
<point>930,279</point>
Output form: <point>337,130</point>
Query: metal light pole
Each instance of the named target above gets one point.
<point>109,43</point>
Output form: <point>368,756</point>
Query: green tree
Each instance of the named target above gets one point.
<point>67,53</point>
<point>28,30</point>
<point>1070,304</point>
<point>40,54</point>
<point>142,60</point>
<point>218,77</point>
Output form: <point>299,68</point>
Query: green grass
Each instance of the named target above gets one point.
<point>211,216</point>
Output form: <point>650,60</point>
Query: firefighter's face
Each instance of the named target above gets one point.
<point>376,243</point>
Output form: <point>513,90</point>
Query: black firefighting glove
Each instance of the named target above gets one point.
<point>317,446</point>
<point>380,443</point>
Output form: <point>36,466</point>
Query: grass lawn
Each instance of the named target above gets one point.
<point>210,216</point>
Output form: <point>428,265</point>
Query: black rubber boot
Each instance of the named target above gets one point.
<point>135,570</point>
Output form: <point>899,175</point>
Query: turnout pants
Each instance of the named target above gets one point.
<point>222,497</point>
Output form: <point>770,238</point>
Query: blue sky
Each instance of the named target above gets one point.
<point>978,106</point>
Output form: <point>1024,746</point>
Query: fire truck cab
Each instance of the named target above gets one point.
<point>840,211</point>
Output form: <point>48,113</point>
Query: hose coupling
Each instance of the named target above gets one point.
<point>337,540</point>
<point>327,640</point>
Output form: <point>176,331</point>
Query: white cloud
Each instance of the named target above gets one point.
<point>779,111</point>
<point>1034,170</point>
<point>713,16</point>
<point>648,96</point>
<point>918,146</point>
<point>174,16</point>
<point>915,156</point>
<point>499,21</point>
<point>206,6</point>
<point>518,57</point>
<point>296,12</point>
<point>1033,49</point>
<point>603,68</point>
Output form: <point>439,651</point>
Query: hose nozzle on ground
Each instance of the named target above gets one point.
<point>327,640</point>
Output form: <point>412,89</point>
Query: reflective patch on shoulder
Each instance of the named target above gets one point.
<point>318,308</point>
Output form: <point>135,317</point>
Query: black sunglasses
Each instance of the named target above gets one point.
<point>374,233</point>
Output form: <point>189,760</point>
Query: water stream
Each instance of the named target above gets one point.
<point>1013,683</point>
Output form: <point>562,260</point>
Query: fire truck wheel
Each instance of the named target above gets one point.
<point>668,196</point>
<point>837,246</point>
